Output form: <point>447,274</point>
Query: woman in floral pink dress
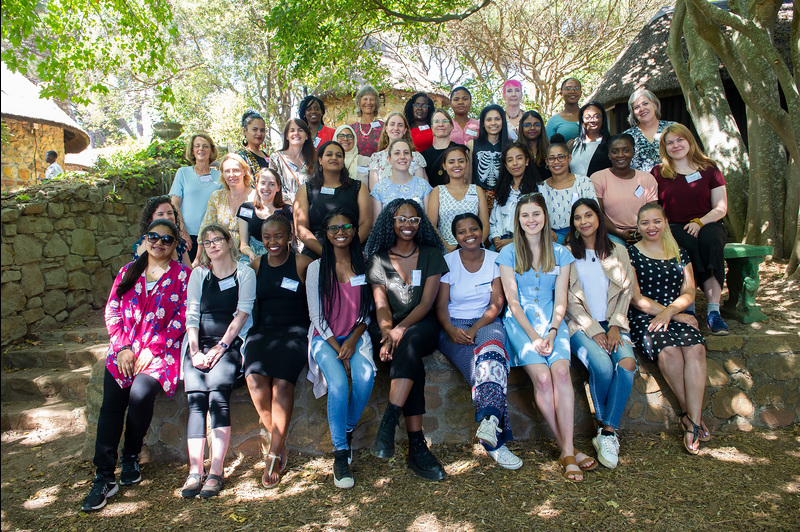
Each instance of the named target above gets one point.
<point>145,319</point>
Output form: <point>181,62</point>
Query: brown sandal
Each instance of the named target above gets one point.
<point>592,462</point>
<point>571,475</point>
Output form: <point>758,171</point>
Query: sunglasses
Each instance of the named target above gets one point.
<point>154,237</point>
<point>413,221</point>
<point>333,229</point>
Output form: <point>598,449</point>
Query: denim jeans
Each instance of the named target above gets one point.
<point>609,383</point>
<point>345,405</point>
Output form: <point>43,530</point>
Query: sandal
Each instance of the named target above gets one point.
<point>705,434</point>
<point>284,461</point>
<point>574,476</point>
<point>269,470</point>
<point>191,488</point>
<point>588,463</point>
<point>695,432</point>
<point>209,490</point>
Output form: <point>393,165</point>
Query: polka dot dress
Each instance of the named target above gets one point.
<point>661,281</point>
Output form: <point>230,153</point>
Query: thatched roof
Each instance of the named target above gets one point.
<point>646,63</point>
<point>20,101</point>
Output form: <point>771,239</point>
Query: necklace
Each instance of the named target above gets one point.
<point>515,116</point>
<point>361,129</point>
<point>404,256</point>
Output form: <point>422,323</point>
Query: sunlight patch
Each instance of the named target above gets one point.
<point>460,467</point>
<point>42,498</point>
<point>545,510</point>
<point>430,523</point>
<point>732,454</point>
<point>793,486</point>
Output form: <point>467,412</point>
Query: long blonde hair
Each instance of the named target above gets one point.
<point>696,155</point>
<point>383,143</point>
<point>547,259</point>
<point>668,243</point>
<point>247,177</point>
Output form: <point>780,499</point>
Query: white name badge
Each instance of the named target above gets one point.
<point>483,287</point>
<point>639,191</point>
<point>471,133</point>
<point>330,191</point>
<point>317,141</point>
<point>245,212</point>
<point>376,123</point>
<point>416,277</point>
<point>424,127</point>
<point>691,178</point>
<point>358,280</point>
<point>363,169</point>
<point>656,138</point>
<point>205,178</point>
<point>227,284</point>
<point>471,195</point>
<point>290,284</point>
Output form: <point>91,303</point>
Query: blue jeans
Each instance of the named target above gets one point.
<point>609,383</point>
<point>344,405</point>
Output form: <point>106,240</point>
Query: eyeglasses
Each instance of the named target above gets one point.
<point>212,242</point>
<point>154,237</point>
<point>592,118</point>
<point>571,89</point>
<point>437,122</point>
<point>413,221</point>
<point>424,106</point>
<point>333,229</point>
<point>345,136</point>
<point>557,158</point>
<point>534,125</point>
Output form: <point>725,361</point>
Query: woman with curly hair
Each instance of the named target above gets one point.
<point>312,111</point>
<point>295,161</point>
<point>161,208</point>
<point>518,177</point>
<point>405,266</point>
<point>419,112</point>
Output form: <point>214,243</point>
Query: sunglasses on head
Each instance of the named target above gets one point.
<point>154,237</point>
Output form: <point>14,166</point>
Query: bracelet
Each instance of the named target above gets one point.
<point>552,329</point>
<point>121,349</point>
<point>223,344</point>
<point>696,221</point>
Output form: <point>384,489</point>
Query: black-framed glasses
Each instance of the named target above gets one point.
<point>345,136</point>
<point>333,229</point>
<point>154,237</point>
<point>424,106</point>
<point>559,158</point>
<point>413,221</point>
<point>212,242</point>
<point>571,89</point>
<point>592,118</point>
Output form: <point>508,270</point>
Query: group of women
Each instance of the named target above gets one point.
<point>483,238</point>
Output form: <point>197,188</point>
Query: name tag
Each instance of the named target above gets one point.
<point>330,191</point>
<point>246,213</point>
<point>205,178</point>
<point>424,128</point>
<point>471,195</point>
<point>290,284</point>
<point>227,284</point>
<point>376,123</point>
<point>483,287</point>
<point>471,133</point>
<point>416,277</point>
<point>656,138</point>
<point>363,169</point>
<point>358,280</point>
<point>639,191</point>
<point>317,141</point>
<point>554,271</point>
<point>691,178</point>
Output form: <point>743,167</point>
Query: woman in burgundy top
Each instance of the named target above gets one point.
<point>419,112</point>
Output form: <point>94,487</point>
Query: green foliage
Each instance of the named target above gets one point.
<point>145,167</point>
<point>4,135</point>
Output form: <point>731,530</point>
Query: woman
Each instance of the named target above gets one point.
<point>531,132</point>
<point>512,94</point>
<point>563,188</point>
<point>379,166</point>
<point>659,325</point>
<point>404,269</point>
<point>160,208</point>
<point>330,187</point>
<point>622,191</point>
<point>644,115</point>
<point>419,112</point>
<point>143,356</point>
<point>590,147</point>
<point>468,307</point>
<point>339,303</point>
<point>268,200</point>
<point>693,193</point>
<point>219,301</point>
<point>224,203</point>
<point>535,275</point>
<point>312,111</point>
<point>458,196</point>
<point>357,165</point>
<point>401,183</point>
<point>487,149</point>
<point>565,122</point>
<point>254,129</point>
<point>442,127</point>
<point>600,289</point>
<point>295,161</point>
<point>464,127</point>
<point>517,178</point>
<point>277,344</point>
<point>368,129</point>
<point>193,185</point>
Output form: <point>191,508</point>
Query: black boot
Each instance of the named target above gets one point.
<point>384,440</point>
<point>421,460</point>
<point>351,454</point>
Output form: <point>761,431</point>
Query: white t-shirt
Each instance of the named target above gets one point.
<point>470,293</point>
<point>53,171</point>
<point>582,156</point>
<point>595,284</point>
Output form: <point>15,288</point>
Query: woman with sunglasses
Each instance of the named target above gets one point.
<point>565,123</point>
<point>339,303</point>
<point>532,133</point>
<point>590,147</point>
<point>268,200</point>
<point>224,203</point>
<point>161,208</point>
<point>518,177</point>
<point>145,320</point>
<point>404,268</point>
<point>419,112</point>
<point>218,304</point>
<point>380,168</point>
<point>357,164</point>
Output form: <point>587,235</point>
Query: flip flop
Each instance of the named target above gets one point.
<point>269,469</point>
<point>705,433</point>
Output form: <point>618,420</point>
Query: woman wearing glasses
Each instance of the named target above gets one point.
<point>160,208</point>
<point>590,147</point>
<point>565,122</point>
<point>532,133</point>
<point>219,301</point>
<point>405,265</point>
<point>145,320</point>
<point>442,127</point>
<point>357,164</point>
<point>419,112</point>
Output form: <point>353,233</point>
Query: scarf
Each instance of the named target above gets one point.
<point>350,157</point>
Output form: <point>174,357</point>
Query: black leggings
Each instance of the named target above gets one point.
<point>707,250</point>
<point>216,402</point>
<point>419,341</point>
<point>138,399</point>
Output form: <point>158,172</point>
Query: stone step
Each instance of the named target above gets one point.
<point>61,417</point>
<point>45,384</point>
<point>65,356</point>
<point>79,334</point>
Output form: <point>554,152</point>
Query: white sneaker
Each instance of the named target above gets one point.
<point>506,458</point>
<point>607,448</point>
<point>487,430</point>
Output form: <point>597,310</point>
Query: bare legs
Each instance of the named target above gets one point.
<point>712,290</point>
<point>274,402</point>
<point>684,368</point>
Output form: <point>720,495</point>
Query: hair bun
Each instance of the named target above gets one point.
<point>558,138</point>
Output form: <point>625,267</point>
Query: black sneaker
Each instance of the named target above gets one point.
<point>342,477</point>
<point>421,459</point>
<point>130,474</point>
<point>102,489</point>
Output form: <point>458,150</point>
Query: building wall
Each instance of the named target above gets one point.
<point>340,109</point>
<point>23,159</point>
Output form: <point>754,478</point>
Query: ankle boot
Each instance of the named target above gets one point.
<point>350,453</point>
<point>421,460</point>
<point>384,440</point>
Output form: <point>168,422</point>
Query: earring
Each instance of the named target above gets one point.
<point>577,235</point>
<point>244,142</point>
<point>636,234</point>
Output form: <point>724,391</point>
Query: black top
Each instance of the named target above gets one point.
<point>255,162</point>
<point>433,158</point>
<point>247,212</point>
<point>217,307</point>
<point>280,295</point>
<point>323,200</point>
<point>486,163</point>
<point>600,160</point>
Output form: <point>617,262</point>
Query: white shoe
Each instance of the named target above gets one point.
<point>506,458</point>
<point>607,448</point>
<point>487,430</point>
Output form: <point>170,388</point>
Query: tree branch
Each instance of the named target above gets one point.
<point>435,20</point>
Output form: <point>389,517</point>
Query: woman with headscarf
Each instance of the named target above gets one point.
<point>357,165</point>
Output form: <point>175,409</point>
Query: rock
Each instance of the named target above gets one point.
<point>34,208</point>
<point>13,328</point>
<point>54,302</point>
<point>83,242</point>
<point>777,417</point>
<point>56,278</point>
<point>172,435</point>
<point>61,316</point>
<point>13,299</point>
<point>79,281</point>
<point>769,395</point>
<point>34,224</point>
<point>724,344</point>
<point>781,367</point>
<point>65,224</point>
<point>9,215</point>
<point>89,222</point>
<point>73,262</point>
<point>734,364</point>
<point>26,249</point>
<point>32,280</point>
<point>11,276</point>
<point>9,230</point>
<point>56,247</point>
<point>636,410</point>
<point>729,402</point>
<point>657,414</point>
<point>55,210</point>
<point>33,315</point>
<point>772,344</point>
<point>6,255</point>
<point>34,302</point>
<point>105,252</point>
<point>80,313</point>
<point>101,287</point>
<point>715,375</point>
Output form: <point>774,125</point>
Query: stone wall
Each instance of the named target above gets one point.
<point>61,251</point>
<point>341,109</point>
<point>23,158</point>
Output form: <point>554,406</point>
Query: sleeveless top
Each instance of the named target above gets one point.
<point>486,163</point>
<point>320,204</point>
<point>217,307</point>
<point>247,212</point>
<point>280,295</point>
<point>449,208</point>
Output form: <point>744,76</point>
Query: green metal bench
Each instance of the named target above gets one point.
<point>743,280</point>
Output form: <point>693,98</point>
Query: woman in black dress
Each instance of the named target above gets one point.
<point>219,301</point>
<point>277,346</point>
